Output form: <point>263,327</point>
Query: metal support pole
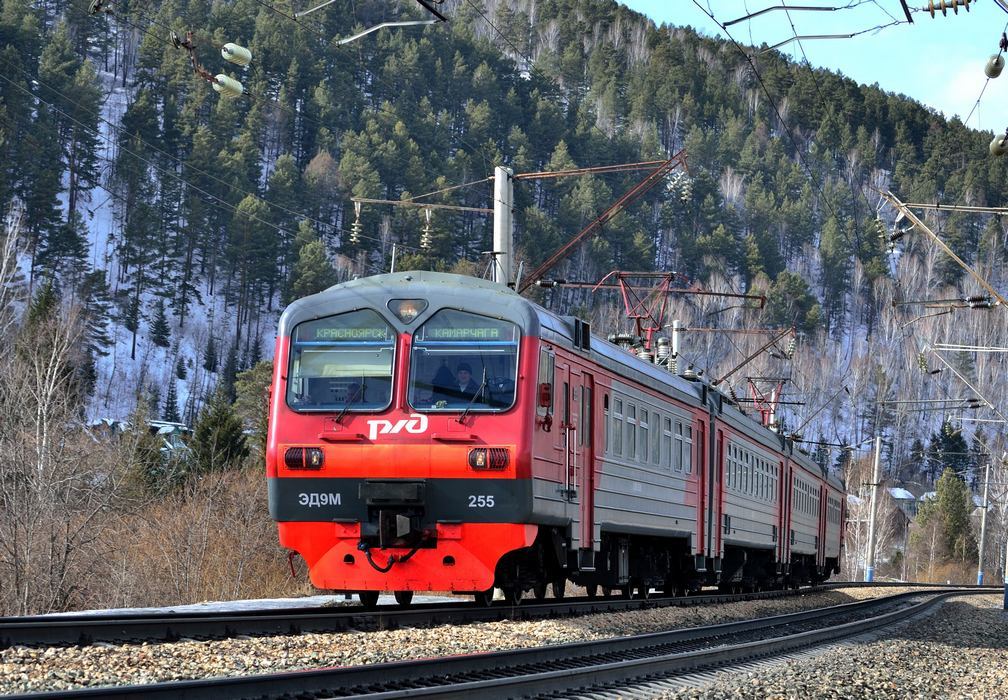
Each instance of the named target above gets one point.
<point>503,230</point>
<point>392,268</point>
<point>869,574</point>
<point>983,524</point>
<point>674,359</point>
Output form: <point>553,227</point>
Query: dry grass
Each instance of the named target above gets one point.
<point>211,540</point>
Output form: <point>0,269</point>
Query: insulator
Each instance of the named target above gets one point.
<point>236,54</point>
<point>175,39</point>
<point>995,64</point>
<point>944,5</point>
<point>356,227</point>
<point>922,363</point>
<point>880,228</point>
<point>662,349</point>
<point>791,347</point>
<point>227,87</point>
<point>426,232</point>
<point>979,301</point>
<point>999,145</point>
<point>97,6</point>
<point>673,364</point>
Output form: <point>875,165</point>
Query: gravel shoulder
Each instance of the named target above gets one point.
<point>25,669</point>
<point>958,652</point>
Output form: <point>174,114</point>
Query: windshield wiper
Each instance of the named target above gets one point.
<point>350,400</point>
<point>479,392</point>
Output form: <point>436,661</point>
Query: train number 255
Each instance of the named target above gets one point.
<point>481,501</point>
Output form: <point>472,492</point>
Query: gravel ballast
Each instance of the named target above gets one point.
<point>959,651</point>
<point>24,669</point>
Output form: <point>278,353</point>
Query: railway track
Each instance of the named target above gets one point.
<point>560,670</point>
<point>86,629</point>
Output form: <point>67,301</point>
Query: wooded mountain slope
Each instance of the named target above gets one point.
<point>158,206</point>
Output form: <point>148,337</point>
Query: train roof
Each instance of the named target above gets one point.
<point>458,291</point>
<point>491,299</point>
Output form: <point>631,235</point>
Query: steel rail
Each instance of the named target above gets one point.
<point>84,629</point>
<point>556,668</point>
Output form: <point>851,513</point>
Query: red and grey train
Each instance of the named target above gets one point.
<point>434,432</point>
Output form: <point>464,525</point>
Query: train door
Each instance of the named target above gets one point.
<point>787,524</point>
<point>779,528</point>
<point>585,474</point>
<point>700,471</point>
<point>715,506</point>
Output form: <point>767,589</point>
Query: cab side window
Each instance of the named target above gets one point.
<point>547,367</point>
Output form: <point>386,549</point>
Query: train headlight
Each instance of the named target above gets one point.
<point>406,310</point>
<point>304,458</point>
<point>488,458</point>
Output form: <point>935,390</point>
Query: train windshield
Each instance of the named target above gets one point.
<point>341,362</point>
<point>462,360</point>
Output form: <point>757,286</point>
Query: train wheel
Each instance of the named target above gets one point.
<point>643,591</point>
<point>592,590</point>
<point>539,591</point>
<point>512,595</point>
<point>369,599</point>
<point>484,598</point>
<point>606,592</point>
<point>626,591</point>
<point>559,588</point>
<point>404,598</point>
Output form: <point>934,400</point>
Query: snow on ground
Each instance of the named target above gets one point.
<point>260,604</point>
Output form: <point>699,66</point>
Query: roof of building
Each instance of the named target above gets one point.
<point>901,494</point>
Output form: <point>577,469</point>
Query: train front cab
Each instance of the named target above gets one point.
<point>385,471</point>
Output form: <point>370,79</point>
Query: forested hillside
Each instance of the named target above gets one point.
<point>180,222</point>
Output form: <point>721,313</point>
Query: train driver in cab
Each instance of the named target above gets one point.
<point>467,388</point>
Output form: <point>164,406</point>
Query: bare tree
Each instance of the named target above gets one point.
<point>57,483</point>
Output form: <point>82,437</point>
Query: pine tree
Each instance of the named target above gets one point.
<point>229,373</point>
<point>210,355</point>
<point>312,273</point>
<point>96,306</point>
<point>252,401</point>
<point>218,441</point>
<point>160,331</point>
<point>44,305</point>
<point>950,510</point>
<point>180,368</point>
<point>171,412</point>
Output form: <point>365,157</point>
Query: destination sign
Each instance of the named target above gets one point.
<point>338,334</point>
<point>465,334</point>
<point>459,326</point>
<point>357,326</point>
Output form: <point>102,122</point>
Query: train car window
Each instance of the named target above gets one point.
<point>655,438</point>
<point>462,361</point>
<point>730,466</point>
<point>644,444</point>
<point>688,449</point>
<point>341,362</point>
<point>631,435</point>
<point>566,404</point>
<point>617,426</point>
<point>605,419</point>
<point>547,367</point>
<point>586,417</point>
<point>666,448</point>
<point>677,456</point>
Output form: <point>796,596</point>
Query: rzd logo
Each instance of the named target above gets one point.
<point>415,424</point>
